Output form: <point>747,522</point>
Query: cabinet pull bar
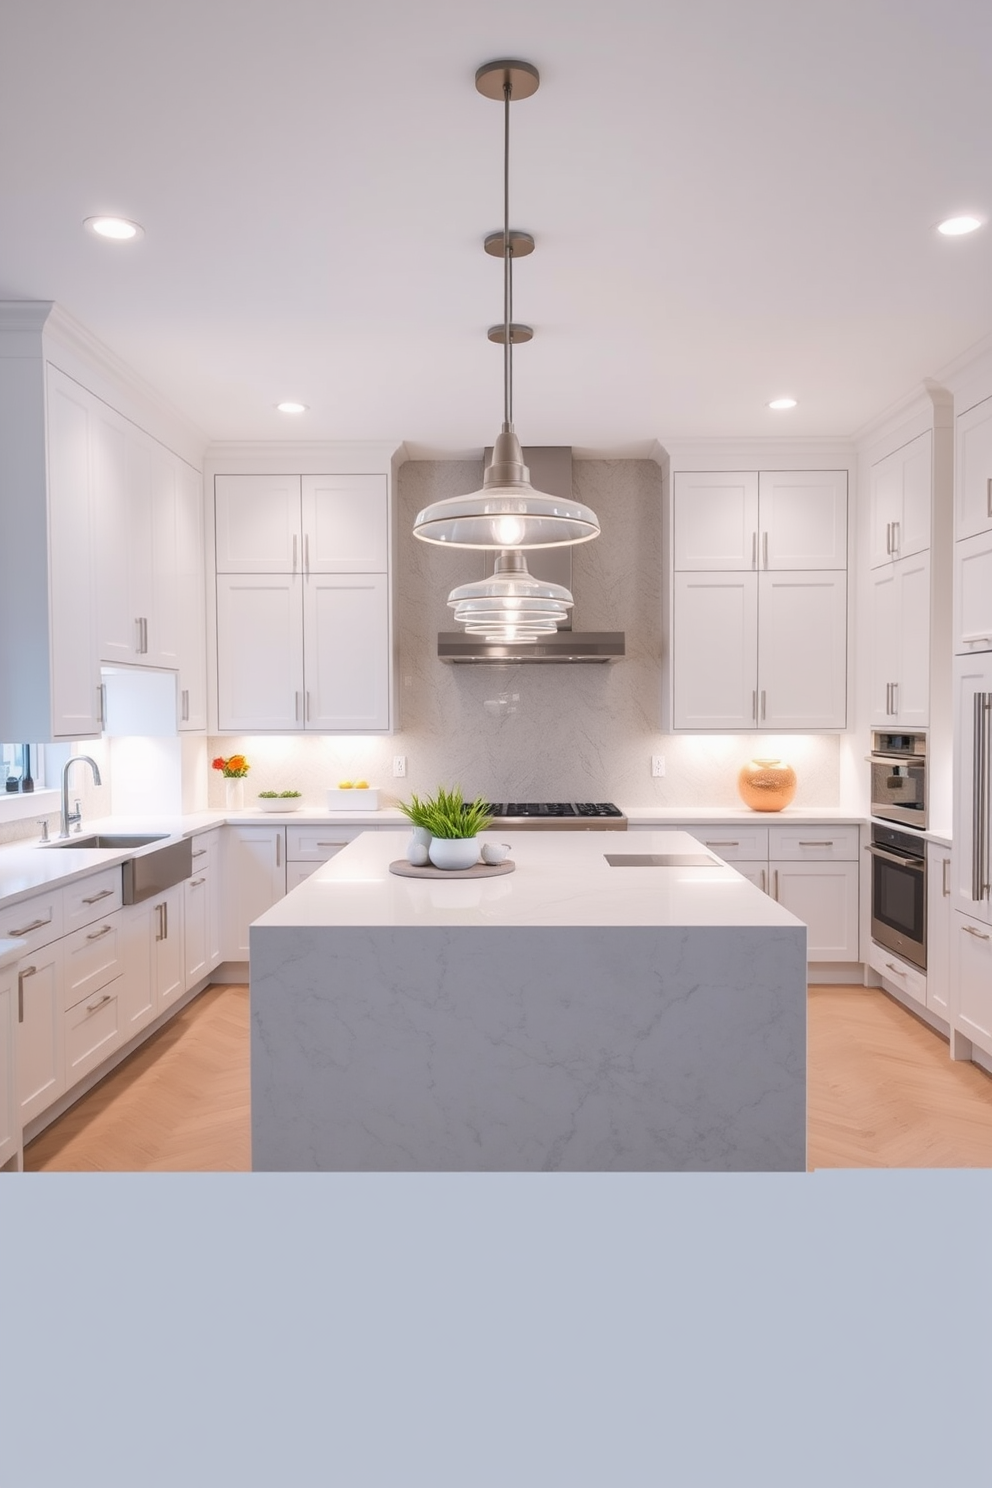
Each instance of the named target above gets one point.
<point>764,881</point>
<point>158,911</point>
<point>988,496</point>
<point>970,930</point>
<point>99,934</point>
<point>754,705</point>
<point>764,547</point>
<point>95,898</point>
<point>775,890</point>
<point>828,843</point>
<point>888,537</point>
<point>195,882</point>
<point>895,536</point>
<point>344,844</point>
<point>200,852</point>
<point>91,1007</point>
<point>944,888</point>
<point>165,906</point>
<point>763,699</point>
<point>34,925</point>
<point>306,554</point>
<point>754,549</point>
<point>308,705</point>
<point>101,714</point>
<point>28,971</point>
<point>137,621</point>
<point>707,843</point>
<point>294,553</point>
<point>977,795</point>
<point>899,970</point>
<point>296,706</point>
<point>278,849</point>
<point>185,718</point>
<point>895,699</point>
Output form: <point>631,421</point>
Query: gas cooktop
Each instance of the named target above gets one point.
<point>560,815</point>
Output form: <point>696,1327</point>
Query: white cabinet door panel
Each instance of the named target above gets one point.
<point>973,594</point>
<point>938,929</point>
<point>901,486</point>
<point>802,650</point>
<point>40,1031</point>
<point>715,520</point>
<point>75,674</point>
<point>162,638</point>
<point>825,897</point>
<point>259,652</point>
<point>971,979</point>
<point>912,696</point>
<point>714,650</point>
<point>803,519</point>
<point>168,954</point>
<point>94,1028</point>
<point>139,1002</point>
<point>191,593</point>
<point>973,475</point>
<point>116,629</point>
<point>258,524</point>
<point>346,642</point>
<point>884,642</point>
<point>345,524</point>
<point>254,879</point>
<point>972,836</point>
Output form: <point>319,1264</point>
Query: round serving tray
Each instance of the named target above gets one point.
<point>477,870</point>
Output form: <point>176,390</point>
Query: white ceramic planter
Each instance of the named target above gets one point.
<point>454,852</point>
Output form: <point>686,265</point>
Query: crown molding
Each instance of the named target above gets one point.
<point>790,452</point>
<point>305,457</point>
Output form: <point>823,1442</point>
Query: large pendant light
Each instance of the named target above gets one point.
<point>507,512</point>
<point>511,605</point>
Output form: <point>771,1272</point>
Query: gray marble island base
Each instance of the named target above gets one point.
<point>514,1046</point>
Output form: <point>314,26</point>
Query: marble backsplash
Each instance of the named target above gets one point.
<point>535,732</point>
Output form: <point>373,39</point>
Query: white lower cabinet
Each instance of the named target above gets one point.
<point>201,914</point>
<point>971,979</point>
<point>40,1031</point>
<point>155,968</point>
<point>10,1142</point>
<point>939,929</point>
<point>254,879</point>
<point>308,847</point>
<point>825,897</point>
<point>168,958</point>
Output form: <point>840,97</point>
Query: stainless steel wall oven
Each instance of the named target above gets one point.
<point>899,893</point>
<point>899,778</point>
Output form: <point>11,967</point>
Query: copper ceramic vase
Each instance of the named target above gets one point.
<point>766,784</point>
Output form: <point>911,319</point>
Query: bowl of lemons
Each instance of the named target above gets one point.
<point>353,795</point>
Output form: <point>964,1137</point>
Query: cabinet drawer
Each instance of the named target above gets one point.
<point>35,921</point>
<point>744,844</point>
<point>91,898</point>
<point>205,847</point>
<point>93,1030</point>
<point>93,956</point>
<point>813,844</point>
<point>317,844</point>
<point>899,973</point>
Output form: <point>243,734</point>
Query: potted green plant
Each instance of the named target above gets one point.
<point>287,800</point>
<point>451,823</point>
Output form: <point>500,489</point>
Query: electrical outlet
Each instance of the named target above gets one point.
<point>657,765</point>
<point>399,764</point>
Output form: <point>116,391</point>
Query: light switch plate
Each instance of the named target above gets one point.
<point>399,764</point>
<point>657,765</point>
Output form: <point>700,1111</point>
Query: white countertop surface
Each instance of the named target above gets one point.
<point>790,816</point>
<point>561,878</point>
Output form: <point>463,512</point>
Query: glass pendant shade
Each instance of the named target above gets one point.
<point>507,512</point>
<point>511,605</point>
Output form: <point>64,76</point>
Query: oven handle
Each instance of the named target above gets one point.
<point>891,857</point>
<point>896,759</point>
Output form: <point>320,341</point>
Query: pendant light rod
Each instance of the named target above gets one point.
<point>507,265</point>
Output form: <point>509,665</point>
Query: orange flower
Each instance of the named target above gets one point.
<point>233,767</point>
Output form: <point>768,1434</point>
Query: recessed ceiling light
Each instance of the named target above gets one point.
<point>118,229</point>
<point>778,403</point>
<point>954,227</point>
<point>292,407</point>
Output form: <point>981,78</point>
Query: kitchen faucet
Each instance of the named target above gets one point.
<point>74,816</point>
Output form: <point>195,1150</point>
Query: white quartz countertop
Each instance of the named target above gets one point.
<point>561,879</point>
<point>791,816</point>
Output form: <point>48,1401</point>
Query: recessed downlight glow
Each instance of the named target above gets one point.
<point>956,227</point>
<point>292,407</point>
<point>117,229</point>
<point>779,403</point>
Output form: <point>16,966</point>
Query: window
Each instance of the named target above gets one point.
<point>19,762</point>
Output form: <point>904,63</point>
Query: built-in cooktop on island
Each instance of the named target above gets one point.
<point>583,816</point>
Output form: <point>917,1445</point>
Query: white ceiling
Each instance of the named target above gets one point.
<point>731,199</point>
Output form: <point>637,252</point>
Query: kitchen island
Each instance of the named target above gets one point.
<point>570,1016</point>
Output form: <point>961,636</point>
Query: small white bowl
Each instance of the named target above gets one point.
<point>279,803</point>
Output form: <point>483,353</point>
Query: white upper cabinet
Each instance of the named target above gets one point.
<point>715,521</point>
<point>803,519</point>
<point>782,519</point>
<point>802,650</point>
<point>973,478</point>
<point>303,603</point>
<point>191,596</point>
<point>900,644</point>
<point>258,523</point>
<point>345,524</point>
<point>901,501</point>
<point>973,594</point>
<point>715,651</point>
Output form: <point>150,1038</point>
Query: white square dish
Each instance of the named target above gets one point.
<point>353,799</point>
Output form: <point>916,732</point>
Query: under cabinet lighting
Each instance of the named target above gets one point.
<point>292,407</point>
<point>956,227</point>
<point>117,229</point>
<point>780,403</point>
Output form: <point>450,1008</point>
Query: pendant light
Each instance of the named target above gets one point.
<point>507,512</point>
<point>510,605</point>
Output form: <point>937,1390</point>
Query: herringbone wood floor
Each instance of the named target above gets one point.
<point>882,1093</point>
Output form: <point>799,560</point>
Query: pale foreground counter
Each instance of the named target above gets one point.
<point>570,1016</point>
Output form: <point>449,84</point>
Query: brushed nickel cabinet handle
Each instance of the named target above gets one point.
<point>944,887</point>
<point>185,717</point>
<point>99,934</point>
<point>91,1007</point>
<point>896,536</point>
<point>754,550</point>
<point>195,882</point>
<point>200,852</point>
<point>344,844</point>
<point>34,925</point>
<point>764,547</point>
<point>895,699</point>
<point>161,923</point>
<point>775,891</point>
<point>970,930</point>
<point>707,843</point>
<point>307,696</point>
<point>829,843</point>
<point>137,621</point>
<point>278,849</point>
<point>754,705</point>
<point>101,693</point>
<point>899,970</point>
<point>165,906</point>
<point>21,976</point>
<point>764,881</point>
<point>296,706</point>
<point>988,496</point>
<point>294,552</point>
<point>888,537</point>
<point>95,898</point>
<point>306,554</point>
<point>763,701</point>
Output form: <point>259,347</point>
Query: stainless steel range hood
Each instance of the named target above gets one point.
<point>551,470</point>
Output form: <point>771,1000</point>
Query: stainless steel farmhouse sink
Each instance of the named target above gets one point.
<point>146,873</point>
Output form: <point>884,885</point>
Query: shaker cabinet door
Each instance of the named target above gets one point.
<point>802,650</point>
<point>973,475</point>
<point>803,519</point>
<point>345,527</point>
<point>258,524</point>
<point>346,645</point>
<point>715,520</point>
<point>259,652</point>
<point>715,650</point>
